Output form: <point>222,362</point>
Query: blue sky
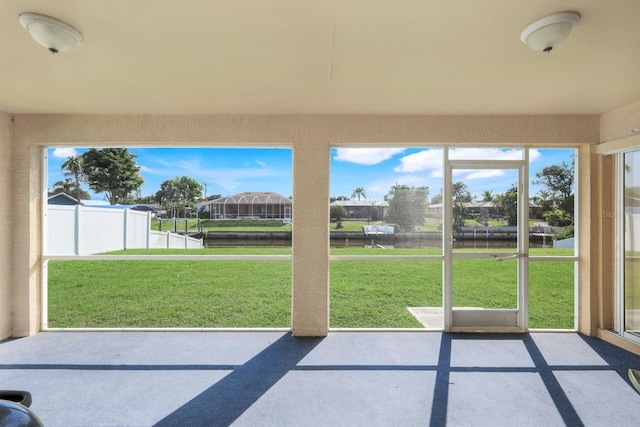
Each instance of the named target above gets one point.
<point>233,170</point>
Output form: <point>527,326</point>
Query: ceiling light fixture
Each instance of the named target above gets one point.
<point>51,33</point>
<point>543,34</point>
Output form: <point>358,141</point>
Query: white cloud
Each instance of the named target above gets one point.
<point>366,156</point>
<point>485,173</point>
<point>422,160</point>
<point>376,190</point>
<point>63,153</point>
<point>485,154</point>
<point>145,169</point>
<point>252,175</point>
<point>534,154</point>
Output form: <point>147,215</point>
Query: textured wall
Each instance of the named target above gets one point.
<point>615,136</point>
<point>616,125</point>
<point>6,293</point>
<point>311,138</point>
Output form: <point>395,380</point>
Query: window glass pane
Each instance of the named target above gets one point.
<point>386,294</point>
<point>387,198</point>
<point>552,199</point>
<point>169,294</point>
<point>551,294</point>
<point>632,242</point>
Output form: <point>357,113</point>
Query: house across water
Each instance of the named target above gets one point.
<point>251,205</point>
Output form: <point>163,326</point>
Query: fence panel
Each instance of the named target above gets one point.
<point>61,230</point>
<point>100,230</point>
<point>137,224</point>
<point>158,239</point>
<point>81,230</point>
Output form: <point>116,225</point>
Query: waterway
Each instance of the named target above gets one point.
<point>361,243</point>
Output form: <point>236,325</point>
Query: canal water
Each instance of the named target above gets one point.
<point>361,243</point>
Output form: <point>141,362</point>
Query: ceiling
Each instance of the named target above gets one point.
<point>320,57</point>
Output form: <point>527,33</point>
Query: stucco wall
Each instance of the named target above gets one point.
<point>616,125</point>
<point>6,294</point>
<point>615,136</point>
<point>311,138</point>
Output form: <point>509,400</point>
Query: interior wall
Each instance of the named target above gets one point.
<point>616,125</point>
<point>615,135</point>
<point>311,137</point>
<point>6,143</point>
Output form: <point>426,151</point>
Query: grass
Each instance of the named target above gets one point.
<point>169,294</point>
<point>364,293</point>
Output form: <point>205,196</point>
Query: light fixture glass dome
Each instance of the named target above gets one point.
<point>543,34</point>
<point>51,33</point>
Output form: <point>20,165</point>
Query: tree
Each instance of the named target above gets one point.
<point>558,182</point>
<point>437,199</point>
<point>407,206</point>
<point>146,200</point>
<point>337,212</point>
<point>112,171</point>
<point>487,196</point>
<point>69,187</point>
<point>358,192</point>
<point>179,194</point>
<point>508,203</point>
<point>461,196</point>
<point>73,167</point>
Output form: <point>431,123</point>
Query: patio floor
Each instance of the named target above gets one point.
<point>346,379</point>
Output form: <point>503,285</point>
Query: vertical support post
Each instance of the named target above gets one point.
<point>78,231</point>
<point>310,304</point>
<point>447,242</point>
<point>148,230</point>
<point>125,231</point>
<point>523,242</point>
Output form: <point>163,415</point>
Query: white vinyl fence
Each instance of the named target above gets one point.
<point>82,230</point>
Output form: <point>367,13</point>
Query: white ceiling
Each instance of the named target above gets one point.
<point>320,56</point>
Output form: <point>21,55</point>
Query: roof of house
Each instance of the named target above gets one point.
<point>253,197</point>
<point>353,203</point>
<point>53,196</point>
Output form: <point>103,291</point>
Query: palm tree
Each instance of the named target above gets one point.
<point>65,186</point>
<point>358,192</point>
<point>487,196</point>
<point>69,187</point>
<point>73,167</point>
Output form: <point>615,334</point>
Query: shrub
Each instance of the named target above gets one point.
<point>557,217</point>
<point>566,233</point>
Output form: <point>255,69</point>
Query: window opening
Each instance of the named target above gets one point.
<point>168,237</point>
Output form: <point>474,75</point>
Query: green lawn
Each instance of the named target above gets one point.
<point>374,293</point>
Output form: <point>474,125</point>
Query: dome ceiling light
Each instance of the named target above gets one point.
<point>543,34</point>
<point>51,33</point>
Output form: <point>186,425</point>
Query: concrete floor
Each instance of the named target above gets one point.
<point>345,379</point>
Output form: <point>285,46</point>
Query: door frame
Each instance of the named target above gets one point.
<point>487,320</point>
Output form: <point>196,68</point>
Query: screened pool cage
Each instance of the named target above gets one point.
<point>251,205</point>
